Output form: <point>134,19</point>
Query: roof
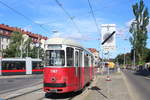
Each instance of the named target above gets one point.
<point>92,50</point>
<point>63,41</point>
<point>11,29</point>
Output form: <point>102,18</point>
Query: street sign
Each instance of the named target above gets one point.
<point>106,31</point>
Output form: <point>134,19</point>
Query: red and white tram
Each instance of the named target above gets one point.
<point>68,66</point>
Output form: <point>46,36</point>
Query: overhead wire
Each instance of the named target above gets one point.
<point>98,30</point>
<point>25,17</point>
<point>93,15</point>
<point>68,15</point>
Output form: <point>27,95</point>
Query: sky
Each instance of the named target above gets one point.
<point>56,23</point>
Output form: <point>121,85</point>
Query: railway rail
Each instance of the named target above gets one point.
<point>39,94</point>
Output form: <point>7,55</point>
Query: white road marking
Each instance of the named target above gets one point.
<point>147,78</point>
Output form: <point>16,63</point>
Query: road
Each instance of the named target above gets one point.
<point>139,85</point>
<point>11,84</point>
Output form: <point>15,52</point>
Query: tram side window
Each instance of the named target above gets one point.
<point>37,65</point>
<point>76,59</point>
<point>70,56</point>
<point>80,58</point>
<point>13,65</point>
<point>86,60</point>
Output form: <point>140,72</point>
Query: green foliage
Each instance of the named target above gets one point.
<point>13,49</point>
<point>138,31</point>
<point>18,44</point>
<point>124,57</point>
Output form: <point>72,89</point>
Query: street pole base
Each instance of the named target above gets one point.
<point>108,78</point>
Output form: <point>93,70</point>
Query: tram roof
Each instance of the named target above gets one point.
<point>64,41</point>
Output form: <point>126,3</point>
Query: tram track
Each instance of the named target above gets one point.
<point>17,96</point>
<point>38,94</point>
<point>15,89</point>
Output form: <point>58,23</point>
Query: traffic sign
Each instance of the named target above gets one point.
<point>108,36</point>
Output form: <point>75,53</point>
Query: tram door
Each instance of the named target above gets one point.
<point>77,69</point>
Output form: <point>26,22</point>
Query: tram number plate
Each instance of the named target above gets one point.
<point>54,90</point>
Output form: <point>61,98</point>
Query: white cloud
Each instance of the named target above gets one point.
<point>57,34</point>
<point>28,28</point>
<point>122,31</point>
<point>66,28</point>
<point>125,29</point>
<point>128,24</point>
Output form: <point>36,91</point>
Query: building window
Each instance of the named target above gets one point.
<point>1,31</point>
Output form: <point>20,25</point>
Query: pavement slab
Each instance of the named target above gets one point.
<point>109,90</point>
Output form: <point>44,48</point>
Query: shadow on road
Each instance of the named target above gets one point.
<point>98,90</point>
<point>62,95</point>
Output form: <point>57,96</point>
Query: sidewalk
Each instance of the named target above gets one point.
<point>109,90</point>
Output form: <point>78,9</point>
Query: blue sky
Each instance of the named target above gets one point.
<point>51,17</point>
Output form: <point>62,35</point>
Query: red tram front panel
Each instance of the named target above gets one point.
<point>61,80</point>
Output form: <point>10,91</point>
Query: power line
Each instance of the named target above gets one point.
<point>27,18</point>
<point>68,15</point>
<point>94,18</point>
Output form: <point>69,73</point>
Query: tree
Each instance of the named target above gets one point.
<point>27,47</point>
<point>14,48</point>
<point>138,29</point>
<point>22,46</point>
<point>120,59</point>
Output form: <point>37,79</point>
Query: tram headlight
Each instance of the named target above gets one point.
<point>53,79</point>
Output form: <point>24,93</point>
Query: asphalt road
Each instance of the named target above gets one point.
<point>139,85</point>
<point>12,84</point>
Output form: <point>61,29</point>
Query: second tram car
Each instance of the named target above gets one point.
<point>68,66</point>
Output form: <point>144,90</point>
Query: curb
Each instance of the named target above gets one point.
<point>86,92</point>
<point>14,94</point>
<point>16,76</point>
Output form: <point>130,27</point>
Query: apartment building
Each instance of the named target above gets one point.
<point>6,33</point>
<point>96,55</point>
